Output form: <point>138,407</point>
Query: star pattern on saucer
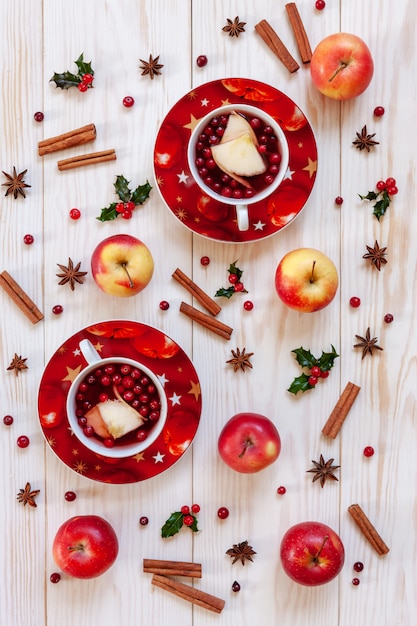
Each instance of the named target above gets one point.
<point>192,123</point>
<point>195,389</point>
<point>159,458</point>
<point>181,214</point>
<point>76,352</point>
<point>205,102</point>
<point>183,177</point>
<point>175,399</point>
<point>259,225</point>
<point>140,456</point>
<point>162,379</point>
<point>289,174</point>
<point>311,168</point>
<point>99,346</point>
<point>80,467</point>
<point>71,374</point>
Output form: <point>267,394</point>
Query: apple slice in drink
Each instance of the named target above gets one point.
<point>239,156</point>
<point>113,418</point>
<point>236,126</point>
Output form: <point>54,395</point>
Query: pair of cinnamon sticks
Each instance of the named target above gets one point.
<point>20,298</point>
<point>273,41</point>
<point>162,570</point>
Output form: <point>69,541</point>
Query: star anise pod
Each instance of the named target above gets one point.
<point>364,141</point>
<point>71,274</point>
<point>27,495</point>
<point>18,364</point>
<point>241,359</point>
<point>367,343</point>
<point>234,27</point>
<point>15,184</point>
<point>323,470</point>
<point>376,255</point>
<point>241,552</point>
<point>151,67</point>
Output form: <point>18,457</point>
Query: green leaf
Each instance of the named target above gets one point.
<point>83,67</point>
<point>226,293</point>
<point>122,188</point>
<point>304,357</point>
<point>108,213</point>
<point>300,383</point>
<point>371,195</point>
<point>65,80</point>
<point>382,205</point>
<point>235,270</point>
<point>326,361</point>
<point>141,193</point>
<point>173,525</point>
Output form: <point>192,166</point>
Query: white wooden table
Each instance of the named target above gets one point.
<point>43,36</point>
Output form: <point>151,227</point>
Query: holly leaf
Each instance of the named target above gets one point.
<point>304,357</point>
<point>65,80</point>
<point>235,270</point>
<point>371,195</point>
<point>141,193</point>
<point>326,361</point>
<point>223,292</point>
<point>108,213</point>
<point>300,383</point>
<point>83,67</point>
<point>121,187</point>
<point>173,524</point>
<point>382,205</point>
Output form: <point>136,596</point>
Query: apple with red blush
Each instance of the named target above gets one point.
<point>311,553</point>
<point>85,546</point>
<point>249,442</point>
<point>341,66</point>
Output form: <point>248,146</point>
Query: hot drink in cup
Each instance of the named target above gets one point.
<point>238,155</point>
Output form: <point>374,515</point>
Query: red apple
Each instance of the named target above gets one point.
<point>311,553</point>
<point>85,546</point>
<point>122,265</point>
<point>249,442</point>
<point>341,66</point>
<point>306,280</point>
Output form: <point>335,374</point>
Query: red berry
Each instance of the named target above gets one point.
<point>39,116</point>
<point>57,309</point>
<point>338,200</point>
<point>141,435</point>
<point>195,508</point>
<point>381,185</point>
<point>55,577</point>
<point>281,490</point>
<point>320,4</point>
<point>248,305</point>
<point>143,521</point>
<point>28,239</point>
<point>188,520</point>
<point>390,182</point>
<point>126,214</point>
<point>23,441</point>
<point>223,512</point>
<point>315,370</point>
<point>355,581</point>
<point>75,214</point>
<point>82,87</point>
<point>87,79</point>
<point>358,566</point>
<point>368,451</point>
<point>88,431</point>
<point>7,420</point>
<point>392,190</point>
<point>312,380</point>
<point>108,442</point>
<point>355,302</point>
<point>130,206</point>
<point>120,207</point>
<point>164,305</point>
<point>70,496</point>
<point>201,60</point>
<point>388,318</point>
<point>324,373</point>
<point>235,586</point>
<point>128,102</point>
<point>233,278</point>
<point>185,510</point>
<point>379,111</point>
<point>239,286</point>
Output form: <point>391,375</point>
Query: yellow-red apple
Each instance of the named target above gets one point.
<point>306,280</point>
<point>122,265</point>
<point>341,66</point>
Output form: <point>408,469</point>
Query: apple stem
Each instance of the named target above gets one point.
<point>131,285</point>
<point>312,272</point>
<point>246,445</point>
<point>343,65</point>
<point>316,558</point>
<point>77,548</point>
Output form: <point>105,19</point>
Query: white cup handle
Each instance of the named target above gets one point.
<point>89,352</point>
<point>242,215</point>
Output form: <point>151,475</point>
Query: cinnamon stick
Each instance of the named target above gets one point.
<point>20,297</point>
<point>300,34</point>
<point>92,158</point>
<point>340,411</point>
<point>207,321</point>
<point>72,138</point>
<point>368,529</point>
<point>173,568</point>
<point>193,595</point>
<point>270,37</point>
<point>201,296</point>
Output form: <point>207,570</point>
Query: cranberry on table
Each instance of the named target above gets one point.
<point>75,214</point>
<point>38,116</point>
<point>235,586</point>
<point>358,566</point>
<point>201,60</point>
<point>23,441</point>
<point>28,239</point>
<point>223,512</point>
<point>355,581</point>
<point>281,490</point>
<point>57,309</point>
<point>7,420</point>
<point>388,318</point>
<point>320,4</point>
<point>143,521</point>
<point>368,451</point>
<point>355,302</point>
<point>128,101</point>
<point>164,305</point>
<point>338,200</point>
<point>248,305</point>
<point>379,111</point>
<point>70,496</point>
<point>55,577</point>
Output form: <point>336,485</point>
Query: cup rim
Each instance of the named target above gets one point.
<point>93,443</point>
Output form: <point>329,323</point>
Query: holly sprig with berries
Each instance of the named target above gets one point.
<point>83,79</point>
<point>128,200</point>
<point>235,275</point>
<point>384,190</point>
<point>187,516</point>
<point>317,368</point>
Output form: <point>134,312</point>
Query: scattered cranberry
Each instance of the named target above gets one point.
<point>379,111</point>
<point>57,309</point>
<point>8,420</point>
<point>70,496</point>
<point>338,200</point>
<point>358,566</point>
<point>128,102</point>
<point>281,490</point>
<point>368,451</point>
<point>355,581</point>
<point>388,318</point>
<point>55,577</point>
<point>355,302</point>
<point>205,260</point>
<point>185,510</point>
<point>75,214</point>
<point>188,520</point>
<point>235,586</point>
<point>248,305</point>
<point>164,305</point>
<point>23,441</point>
<point>143,521</point>
<point>82,87</point>
<point>39,116</point>
<point>201,60</point>
<point>320,4</point>
<point>223,513</point>
<point>195,508</point>
<point>28,239</point>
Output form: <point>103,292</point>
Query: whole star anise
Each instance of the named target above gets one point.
<point>241,552</point>
<point>376,255</point>
<point>27,495</point>
<point>71,274</point>
<point>241,359</point>
<point>364,141</point>
<point>367,343</point>
<point>323,470</point>
<point>234,27</point>
<point>152,67</point>
<point>18,364</point>
<point>15,184</point>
